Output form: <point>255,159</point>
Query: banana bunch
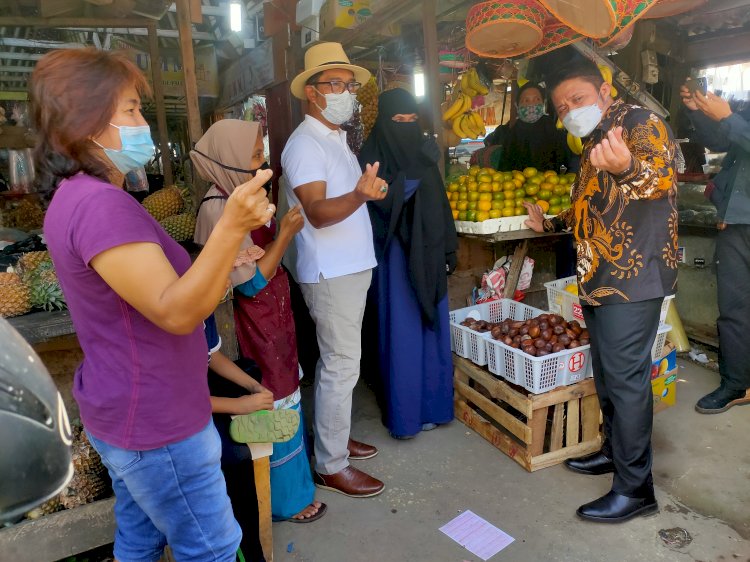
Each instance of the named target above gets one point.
<point>468,125</point>
<point>471,85</point>
<point>464,122</point>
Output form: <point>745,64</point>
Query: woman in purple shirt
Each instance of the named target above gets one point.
<point>138,308</point>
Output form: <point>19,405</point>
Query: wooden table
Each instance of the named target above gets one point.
<point>77,530</point>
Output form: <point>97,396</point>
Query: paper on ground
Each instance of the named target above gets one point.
<point>477,535</point>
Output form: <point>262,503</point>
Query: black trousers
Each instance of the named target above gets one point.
<point>621,339</point>
<point>733,281</point>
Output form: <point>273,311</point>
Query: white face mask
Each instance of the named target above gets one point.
<point>339,107</point>
<point>581,121</point>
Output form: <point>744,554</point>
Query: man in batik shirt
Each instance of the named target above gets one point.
<point>624,219</point>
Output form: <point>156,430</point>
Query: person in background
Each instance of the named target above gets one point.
<point>533,140</point>
<point>624,219</point>
<point>722,130</point>
<point>415,244</point>
<point>335,255</point>
<point>138,307</point>
<point>227,155</point>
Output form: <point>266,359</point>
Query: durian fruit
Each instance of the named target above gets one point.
<point>29,262</point>
<point>14,296</point>
<point>45,289</point>
<point>50,506</point>
<point>90,480</point>
<point>368,97</point>
<point>180,227</point>
<point>164,203</point>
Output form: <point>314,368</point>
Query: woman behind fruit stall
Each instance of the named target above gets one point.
<point>533,140</point>
<point>138,306</point>
<point>229,154</point>
<point>415,243</point>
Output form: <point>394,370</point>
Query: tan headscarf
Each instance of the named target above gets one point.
<point>231,142</point>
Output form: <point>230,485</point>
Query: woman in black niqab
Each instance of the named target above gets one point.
<point>407,324</point>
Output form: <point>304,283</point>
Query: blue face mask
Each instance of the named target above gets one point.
<point>581,121</point>
<point>137,148</point>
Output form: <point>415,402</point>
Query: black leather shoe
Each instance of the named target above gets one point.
<point>595,463</point>
<point>616,508</point>
<point>721,399</point>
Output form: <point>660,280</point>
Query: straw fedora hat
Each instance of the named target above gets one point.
<point>325,56</point>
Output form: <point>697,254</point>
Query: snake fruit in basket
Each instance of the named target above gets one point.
<point>538,337</point>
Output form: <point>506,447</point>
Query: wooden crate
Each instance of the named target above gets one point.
<point>535,430</point>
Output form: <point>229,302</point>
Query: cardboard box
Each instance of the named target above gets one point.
<point>664,379</point>
<point>337,16</point>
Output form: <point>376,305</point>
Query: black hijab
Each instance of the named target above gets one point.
<point>423,223</point>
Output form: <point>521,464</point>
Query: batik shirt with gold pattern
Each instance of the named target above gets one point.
<point>625,225</point>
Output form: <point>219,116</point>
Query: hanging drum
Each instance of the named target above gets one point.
<point>504,29</point>
<point>556,35</point>
<point>592,18</point>
<point>628,12</point>
<point>665,8</point>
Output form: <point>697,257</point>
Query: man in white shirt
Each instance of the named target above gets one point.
<point>335,255</point>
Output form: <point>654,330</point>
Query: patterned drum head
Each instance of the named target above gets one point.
<point>592,18</point>
<point>664,8</point>
<point>504,29</point>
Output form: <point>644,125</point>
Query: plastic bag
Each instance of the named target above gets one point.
<point>493,282</point>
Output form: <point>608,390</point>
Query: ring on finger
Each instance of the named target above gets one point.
<point>384,188</point>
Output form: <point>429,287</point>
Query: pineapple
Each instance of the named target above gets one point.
<point>26,215</point>
<point>45,289</point>
<point>50,506</point>
<point>164,203</point>
<point>90,479</point>
<point>14,296</point>
<point>29,262</point>
<point>180,227</point>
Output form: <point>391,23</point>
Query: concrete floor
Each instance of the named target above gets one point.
<point>701,469</point>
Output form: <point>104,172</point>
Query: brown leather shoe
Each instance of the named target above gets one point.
<point>350,482</point>
<point>360,451</point>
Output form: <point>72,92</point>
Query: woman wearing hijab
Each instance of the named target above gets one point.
<point>228,154</point>
<point>415,243</point>
<point>533,140</point>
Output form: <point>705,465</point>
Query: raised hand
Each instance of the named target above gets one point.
<point>248,207</point>
<point>687,98</point>
<point>292,222</point>
<point>712,105</point>
<point>536,218</point>
<point>370,187</point>
<point>612,154</point>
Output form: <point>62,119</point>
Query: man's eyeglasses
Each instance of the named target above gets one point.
<point>338,87</point>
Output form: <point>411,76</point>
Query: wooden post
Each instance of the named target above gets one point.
<point>185,29</point>
<point>432,74</point>
<point>161,114</point>
<point>262,469</point>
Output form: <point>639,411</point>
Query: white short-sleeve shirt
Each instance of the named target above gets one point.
<point>316,153</point>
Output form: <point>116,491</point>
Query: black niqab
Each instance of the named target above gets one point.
<point>423,223</point>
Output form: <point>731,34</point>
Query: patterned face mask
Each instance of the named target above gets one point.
<point>531,113</point>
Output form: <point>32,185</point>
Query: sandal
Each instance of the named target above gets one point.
<point>265,426</point>
<point>322,510</point>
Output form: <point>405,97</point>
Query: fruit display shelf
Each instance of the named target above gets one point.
<point>491,226</point>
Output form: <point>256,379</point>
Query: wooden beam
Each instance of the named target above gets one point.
<point>262,470</point>
<point>23,21</point>
<point>433,88</point>
<point>185,28</point>
<point>730,47</point>
<point>161,114</point>
<point>196,14</point>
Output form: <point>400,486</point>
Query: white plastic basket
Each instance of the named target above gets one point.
<point>568,305</point>
<point>539,374</point>
<point>656,348</point>
<point>471,344</point>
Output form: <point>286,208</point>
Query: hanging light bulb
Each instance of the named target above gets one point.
<point>235,16</point>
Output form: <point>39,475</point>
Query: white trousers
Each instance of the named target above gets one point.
<point>337,306</point>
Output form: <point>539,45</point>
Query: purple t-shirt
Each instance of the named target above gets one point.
<point>138,386</point>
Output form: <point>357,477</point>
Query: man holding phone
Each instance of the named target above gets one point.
<point>720,129</point>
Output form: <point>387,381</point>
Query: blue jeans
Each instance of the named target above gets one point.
<point>173,495</point>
